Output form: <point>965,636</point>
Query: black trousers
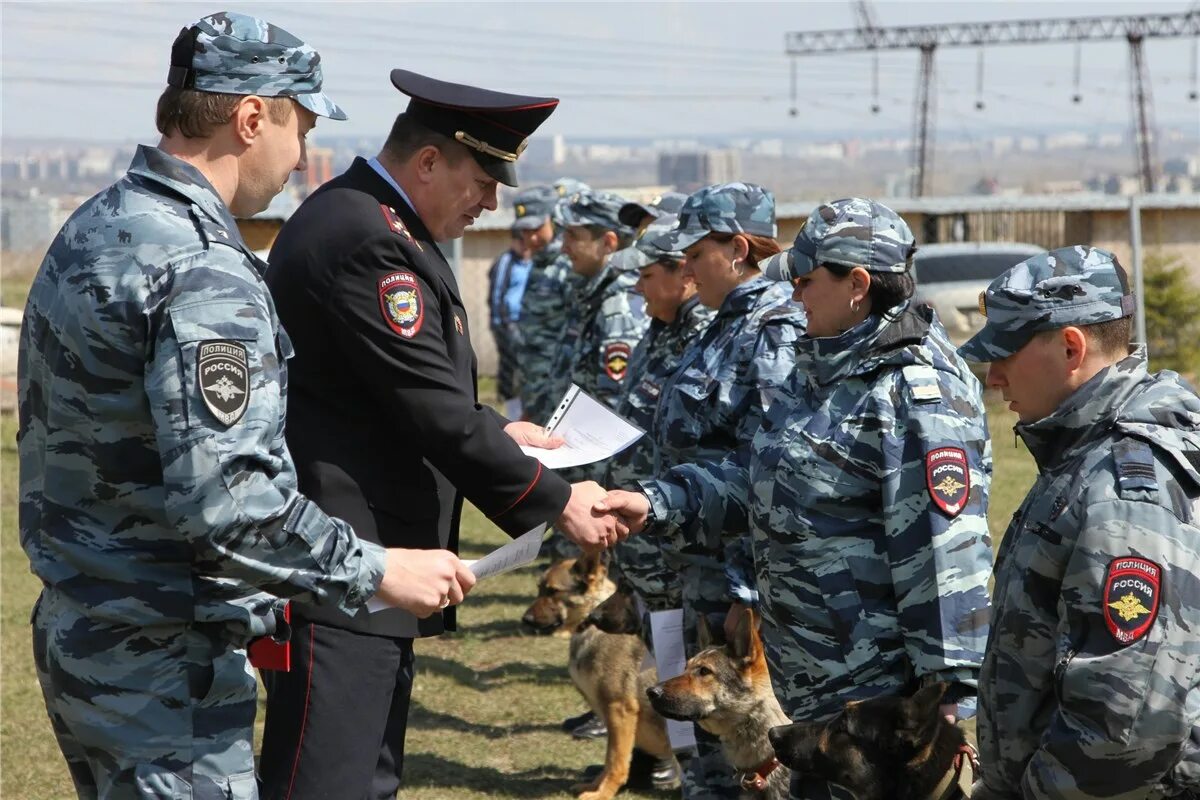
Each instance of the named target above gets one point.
<point>336,722</point>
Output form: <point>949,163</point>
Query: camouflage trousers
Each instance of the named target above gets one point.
<point>707,775</point>
<point>163,712</point>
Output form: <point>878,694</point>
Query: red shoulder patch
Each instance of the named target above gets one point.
<point>616,360</point>
<point>401,303</point>
<point>948,478</point>
<point>1132,594</point>
<point>396,224</point>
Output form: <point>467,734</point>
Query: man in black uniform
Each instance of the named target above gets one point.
<point>384,422</point>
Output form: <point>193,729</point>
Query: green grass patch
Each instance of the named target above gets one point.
<point>488,700</point>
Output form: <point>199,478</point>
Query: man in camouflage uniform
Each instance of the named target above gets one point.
<point>544,305</point>
<point>1091,680</point>
<point>864,489</point>
<point>158,499</point>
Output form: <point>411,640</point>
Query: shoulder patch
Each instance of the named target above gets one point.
<point>1132,595</point>
<point>223,375</point>
<point>397,225</point>
<point>948,478</point>
<point>616,360</point>
<point>922,383</point>
<point>401,303</point>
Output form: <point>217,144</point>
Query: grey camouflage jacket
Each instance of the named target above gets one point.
<point>153,490</point>
<point>549,293</point>
<point>1091,681</point>
<point>641,560</point>
<point>865,491</point>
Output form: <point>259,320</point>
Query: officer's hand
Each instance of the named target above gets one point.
<point>591,530</point>
<point>531,435</point>
<point>632,507</point>
<point>424,581</point>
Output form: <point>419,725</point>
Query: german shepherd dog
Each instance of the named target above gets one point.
<point>606,668</point>
<point>898,748</point>
<point>726,691</point>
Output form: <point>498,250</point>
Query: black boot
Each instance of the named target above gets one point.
<point>645,772</point>
<point>591,728</point>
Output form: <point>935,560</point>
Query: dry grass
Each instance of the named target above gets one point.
<point>487,703</point>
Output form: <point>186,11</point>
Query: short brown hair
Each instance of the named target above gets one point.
<point>1110,337</point>
<point>760,246</point>
<point>408,136</point>
<point>197,114</point>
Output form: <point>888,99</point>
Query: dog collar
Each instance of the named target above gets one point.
<point>755,780</point>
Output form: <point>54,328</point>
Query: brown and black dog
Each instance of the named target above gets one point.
<point>726,691</point>
<point>606,668</point>
<point>885,748</point>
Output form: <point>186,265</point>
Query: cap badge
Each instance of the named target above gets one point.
<point>983,303</point>
<point>520,209</point>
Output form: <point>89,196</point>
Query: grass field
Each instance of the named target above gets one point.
<point>487,702</point>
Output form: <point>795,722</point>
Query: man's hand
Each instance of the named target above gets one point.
<point>949,712</point>
<point>424,581</point>
<point>530,435</point>
<point>591,530</point>
<point>632,507</point>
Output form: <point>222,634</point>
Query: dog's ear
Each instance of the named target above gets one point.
<point>919,710</point>
<point>589,563</point>
<point>704,636</point>
<point>745,643</point>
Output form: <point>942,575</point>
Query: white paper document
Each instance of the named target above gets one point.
<point>666,632</point>
<point>517,553</point>
<point>591,430</point>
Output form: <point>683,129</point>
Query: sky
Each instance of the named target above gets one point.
<point>666,70</point>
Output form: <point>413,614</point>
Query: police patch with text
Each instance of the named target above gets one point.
<point>616,360</point>
<point>948,478</point>
<point>401,303</point>
<point>223,375</point>
<point>1132,595</point>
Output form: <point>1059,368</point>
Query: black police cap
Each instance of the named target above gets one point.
<point>495,126</point>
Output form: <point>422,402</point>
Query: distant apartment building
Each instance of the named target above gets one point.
<point>689,171</point>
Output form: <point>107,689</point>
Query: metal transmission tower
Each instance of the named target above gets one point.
<point>927,38</point>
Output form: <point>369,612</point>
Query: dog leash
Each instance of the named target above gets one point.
<point>956,782</point>
<point>755,780</point>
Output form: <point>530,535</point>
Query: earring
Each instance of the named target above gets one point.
<point>739,267</point>
<point>854,305</point>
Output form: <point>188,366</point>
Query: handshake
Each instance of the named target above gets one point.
<point>424,582</point>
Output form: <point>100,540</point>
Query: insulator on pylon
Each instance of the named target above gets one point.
<point>793,112</point>
<point>875,108</point>
<point>979,105</point>
<point>1076,98</point>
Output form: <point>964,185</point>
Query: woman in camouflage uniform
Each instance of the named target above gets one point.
<point>716,398</point>
<point>864,489</point>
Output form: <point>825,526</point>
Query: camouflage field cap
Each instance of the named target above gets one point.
<point>1069,286</point>
<point>854,232</point>
<point>531,207</point>
<point>594,208</point>
<point>643,252</point>
<point>722,208</point>
<point>566,188</point>
<point>671,203</point>
<point>233,53</point>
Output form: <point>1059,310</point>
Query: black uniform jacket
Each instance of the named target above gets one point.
<point>383,419</point>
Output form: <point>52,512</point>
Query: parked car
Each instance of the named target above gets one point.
<point>951,276</point>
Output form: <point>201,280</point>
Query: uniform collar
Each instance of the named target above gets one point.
<point>875,341</point>
<point>596,284</point>
<point>185,180</point>
<point>744,296</point>
<point>387,176</point>
<point>688,310</point>
<point>1087,414</point>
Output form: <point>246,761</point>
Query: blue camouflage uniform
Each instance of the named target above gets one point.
<point>1091,680</point>
<point>865,493</point>
<point>506,285</point>
<point>605,320</point>
<point>714,402</point>
<point>549,292</point>
<point>158,502</point>
<point>643,562</point>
